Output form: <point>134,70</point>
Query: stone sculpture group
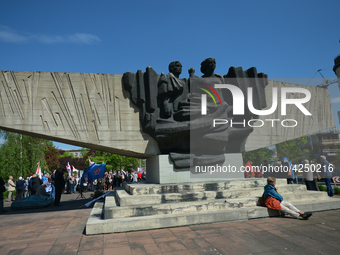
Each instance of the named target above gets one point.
<point>170,110</point>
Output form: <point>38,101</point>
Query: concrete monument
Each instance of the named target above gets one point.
<point>150,115</point>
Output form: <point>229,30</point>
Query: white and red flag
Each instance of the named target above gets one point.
<point>38,171</point>
<point>91,162</point>
<point>68,168</point>
<point>74,169</point>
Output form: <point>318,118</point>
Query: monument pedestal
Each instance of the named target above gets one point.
<point>141,206</point>
<point>161,170</point>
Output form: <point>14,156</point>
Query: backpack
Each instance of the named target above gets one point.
<point>261,201</point>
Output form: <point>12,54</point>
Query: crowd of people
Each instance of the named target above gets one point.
<point>55,184</point>
<point>60,181</point>
<point>51,185</point>
<point>115,179</point>
<point>312,171</point>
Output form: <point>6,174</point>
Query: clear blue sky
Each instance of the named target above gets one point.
<point>285,39</point>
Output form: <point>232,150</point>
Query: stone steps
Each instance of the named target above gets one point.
<point>202,205</point>
<point>125,199</point>
<point>150,206</point>
<point>144,189</point>
<point>177,208</point>
<point>96,225</point>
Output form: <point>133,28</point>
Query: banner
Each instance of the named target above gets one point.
<point>93,172</point>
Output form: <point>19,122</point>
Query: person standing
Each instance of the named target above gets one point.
<point>135,177</point>
<point>44,178</point>
<point>26,187</point>
<point>2,189</point>
<point>59,183</point>
<point>308,175</point>
<point>315,175</point>
<point>327,174</point>
<point>76,181</point>
<point>11,188</point>
<point>20,187</point>
<point>36,182</point>
<point>68,184</point>
<point>30,193</point>
<point>53,175</point>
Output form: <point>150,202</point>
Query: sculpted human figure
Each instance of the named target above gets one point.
<point>208,67</point>
<point>191,72</point>
<point>171,110</point>
<point>170,87</point>
<point>210,78</point>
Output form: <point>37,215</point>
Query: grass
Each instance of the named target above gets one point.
<point>336,190</point>
<point>6,194</point>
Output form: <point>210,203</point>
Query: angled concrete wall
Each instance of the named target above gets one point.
<point>89,110</point>
<point>319,106</point>
<point>93,110</point>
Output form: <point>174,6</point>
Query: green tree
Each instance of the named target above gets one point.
<point>20,154</point>
<point>52,157</point>
<point>256,157</point>
<point>291,149</point>
<point>113,161</point>
<point>67,154</point>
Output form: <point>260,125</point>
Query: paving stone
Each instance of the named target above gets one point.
<point>15,252</point>
<point>151,249</point>
<point>141,240</point>
<point>122,250</point>
<point>138,250</point>
<point>190,244</point>
<point>202,242</point>
<point>263,236</point>
<point>57,249</point>
<point>171,246</point>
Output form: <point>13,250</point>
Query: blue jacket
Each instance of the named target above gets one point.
<point>269,190</point>
<point>45,179</point>
<point>20,185</point>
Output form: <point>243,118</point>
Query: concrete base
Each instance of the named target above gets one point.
<point>150,206</point>
<point>160,170</point>
<point>96,225</point>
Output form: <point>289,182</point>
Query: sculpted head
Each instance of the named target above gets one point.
<point>175,67</point>
<point>208,65</point>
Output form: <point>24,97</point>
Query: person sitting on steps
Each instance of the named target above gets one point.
<point>273,200</point>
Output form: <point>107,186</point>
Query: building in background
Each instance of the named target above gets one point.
<point>76,153</point>
<point>325,143</point>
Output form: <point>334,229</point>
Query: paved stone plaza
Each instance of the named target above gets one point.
<point>59,230</point>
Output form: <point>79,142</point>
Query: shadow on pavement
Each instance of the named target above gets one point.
<point>69,202</point>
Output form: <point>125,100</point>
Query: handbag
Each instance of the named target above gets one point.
<point>261,201</point>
